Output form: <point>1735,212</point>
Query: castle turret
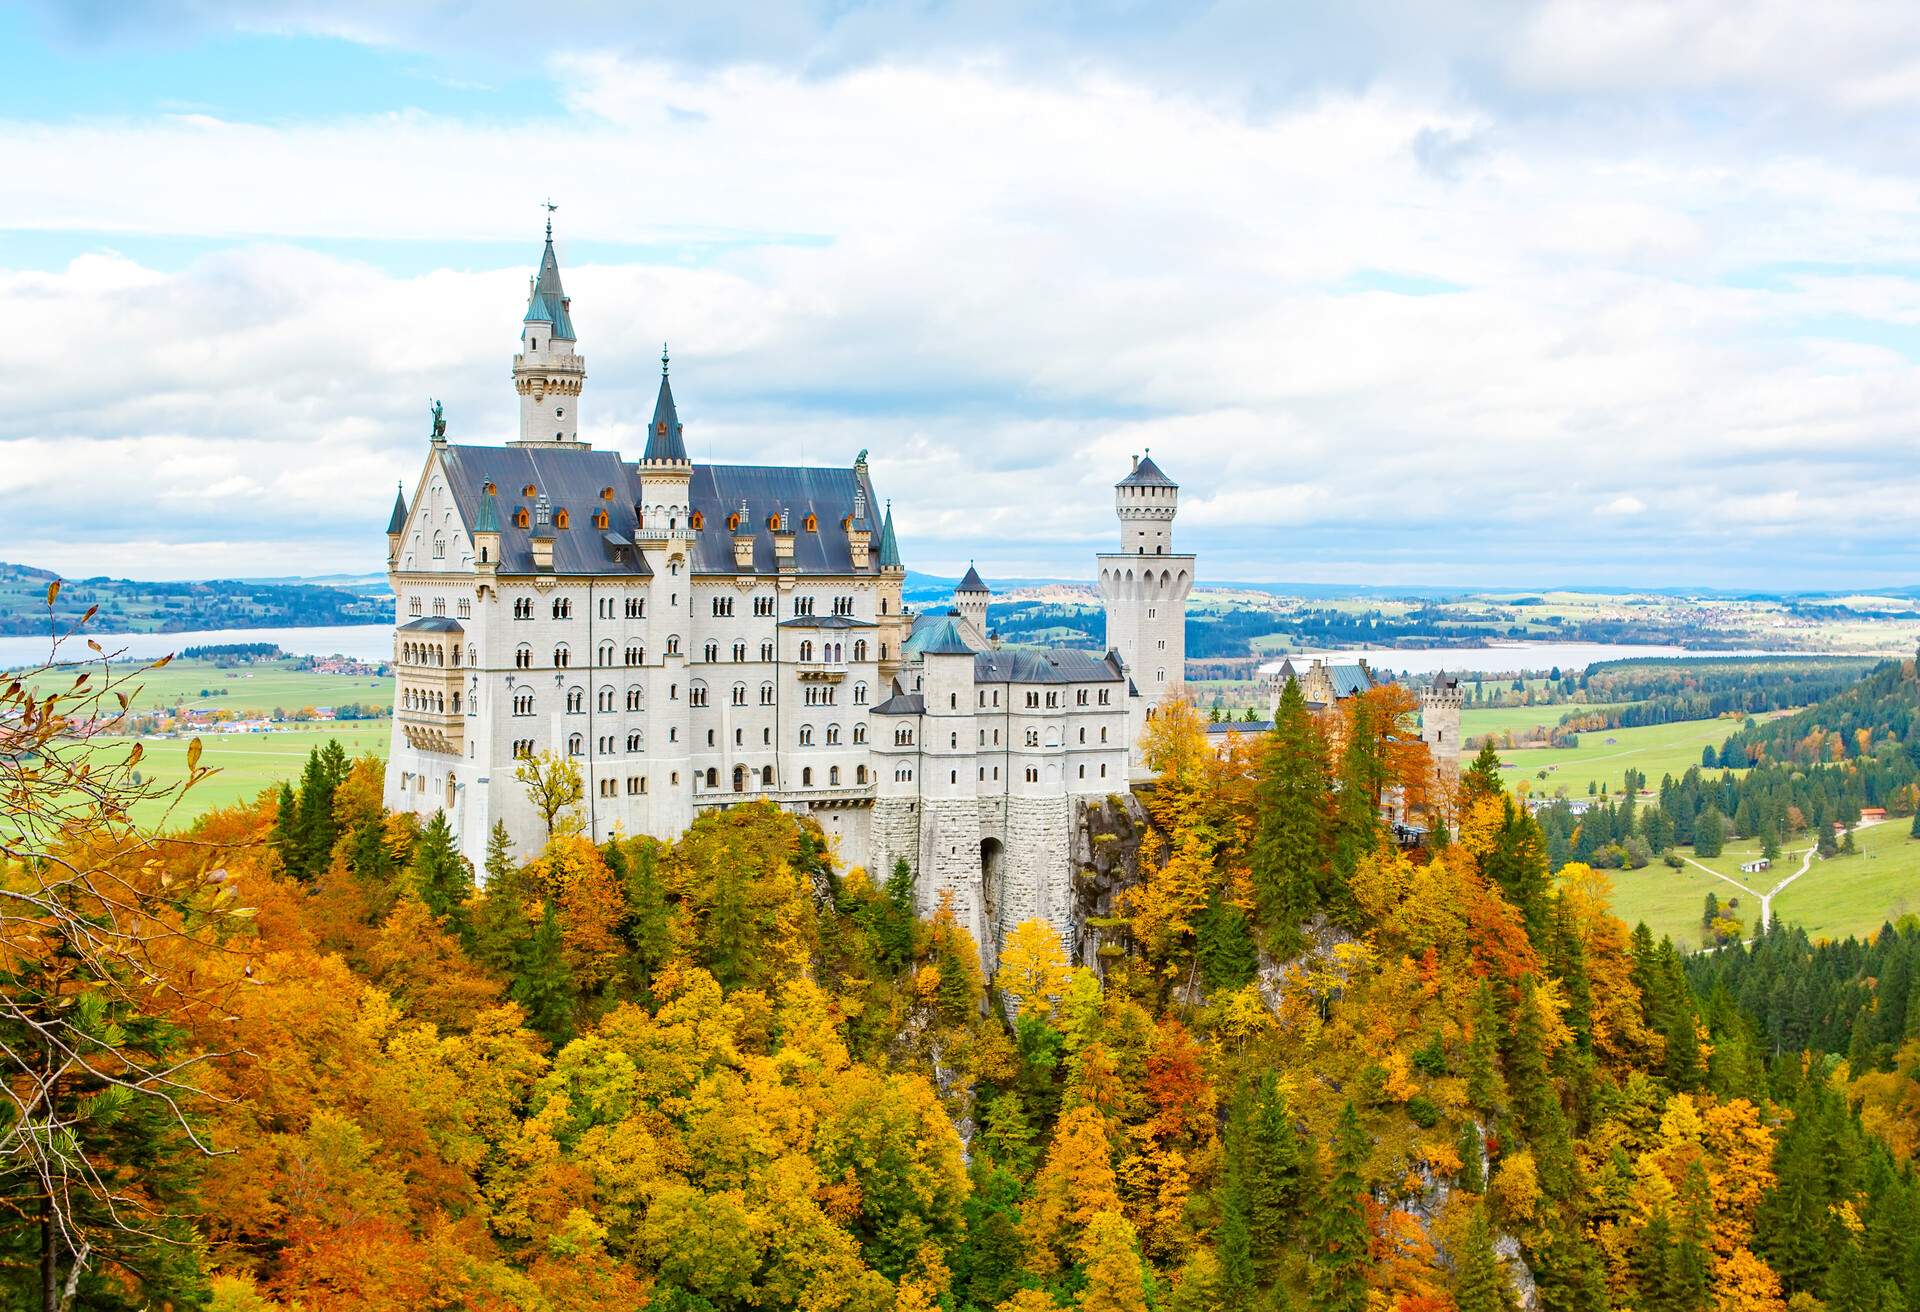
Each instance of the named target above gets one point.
<point>547,373</point>
<point>396,525</point>
<point>1440,703</point>
<point>1145,586</point>
<point>970,600</point>
<point>895,623</point>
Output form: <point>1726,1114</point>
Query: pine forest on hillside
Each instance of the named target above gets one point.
<point>300,1055</point>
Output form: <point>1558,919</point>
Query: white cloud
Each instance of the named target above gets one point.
<point>1009,282</point>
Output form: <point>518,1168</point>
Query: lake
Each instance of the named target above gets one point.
<point>1505,659</point>
<point>367,642</point>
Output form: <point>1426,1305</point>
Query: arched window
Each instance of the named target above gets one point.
<point>560,519</point>
<point>806,651</point>
<point>739,778</point>
<point>739,652</point>
<point>576,700</point>
<point>606,652</point>
<point>859,733</point>
<point>600,519</point>
<point>673,644</point>
<point>562,657</point>
<point>766,694</point>
<point>859,774</point>
<point>859,694</point>
<point>806,776</point>
<point>439,546</point>
<point>698,522</point>
<point>576,745</point>
<point>739,694</point>
<point>766,776</point>
<point>806,735</point>
<point>860,649</point>
<point>713,777</point>
<point>636,655</point>
<point>633,741</point>
<point>833,735</point>
<point>523,657</point>
<point>712,652</point>
<point>521,519</point>
<point>605,700</point>
<point>833,776</point>
<point>696,693</point>
<point>813,524</point>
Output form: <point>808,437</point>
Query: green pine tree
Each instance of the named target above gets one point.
<point>1291,794</point>
<point>1536,1099</point>
<point>542,984</point>
<point>315,829</point>
<point>648,929</point>
<point>499,922</point>
<point>1341,1261</point>
<point>1277,1172</point>
<point>728,942</point>
<point>1227,956</point>
<point>1473,1148</point>
<point>1356,806</point>
<point>1482,778</point>
<point>285,836</point>
<point>1709,833</point>
<point>1518,864</point>
<point>1479,1280</point>
<point>1233,1244</point>
<point>1481,1069</point>
<point>442,877</point>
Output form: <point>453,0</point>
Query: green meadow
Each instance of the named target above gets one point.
<point>1604,756</point>
<point>203,685</point>
<point>243,764</point>
<point>1857,894</point>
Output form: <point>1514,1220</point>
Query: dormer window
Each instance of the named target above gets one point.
<point>606,494</point>
<point>559,519</point>
<point>733,523</point>
<point>600,519</point>
<point>521,519</point>
<point>698,521</point>
<point>813,525</point>
<point>529,490</point>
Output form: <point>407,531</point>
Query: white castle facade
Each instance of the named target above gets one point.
<point>693,636</point>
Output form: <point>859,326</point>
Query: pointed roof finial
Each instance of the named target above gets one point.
<point>549,207</point>
<point>663,359</point>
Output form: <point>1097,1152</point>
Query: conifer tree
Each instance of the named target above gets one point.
<point>1356,804</point>
<point>1518,864</point>
<point>728,939</point>
<point>1688,1260</point>
<point>284,839</point>
<point>1227,956</point>
<point>1472,1149</point>
<point>1913,831</point>
<point>1482,778</point>
<point>1709,833</point>
<point>1651,1266</point>
<point>315,828</point>
<point>499,922</point>
<point>442,877</point>
<point>1483,1075</point>
<point>1233,1244</point>
<point>368,855</point>
<point>648,928</point>
<point>1479,1282</point>
<point>1275,1170</point>
<point>1535,1098</point>
<point>1341,1261</point>
<point>1288,854</point>
<point>542,985</point>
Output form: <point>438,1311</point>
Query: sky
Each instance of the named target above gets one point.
<point>1426,293</point>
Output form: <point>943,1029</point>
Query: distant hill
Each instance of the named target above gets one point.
<point>133,606</point>
<point>1878,715</point>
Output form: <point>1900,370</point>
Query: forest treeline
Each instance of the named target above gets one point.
<point>1312,1070</point>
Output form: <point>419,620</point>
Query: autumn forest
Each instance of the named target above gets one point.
<point>300,1055</point>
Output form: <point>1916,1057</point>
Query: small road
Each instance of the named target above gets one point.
<point>1766,898</point>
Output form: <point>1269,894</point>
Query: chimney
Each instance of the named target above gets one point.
<point>783,543</point>
<point>743,541</point>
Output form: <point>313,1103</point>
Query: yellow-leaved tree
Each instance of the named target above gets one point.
<point>1033,972</point>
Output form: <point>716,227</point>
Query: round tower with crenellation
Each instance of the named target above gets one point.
<point>1145,586</point>
<point>1440,703</point>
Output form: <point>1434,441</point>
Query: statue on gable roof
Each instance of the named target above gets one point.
<point>439,423</point>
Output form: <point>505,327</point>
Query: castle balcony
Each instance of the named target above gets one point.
<point>433,731</point>
<point>822,671</point>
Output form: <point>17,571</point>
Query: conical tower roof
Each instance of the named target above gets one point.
<point>547,303</point>
<point>397,521</point>
<point>488,520</point>
<point>664,440</point>
<point>889,545</point>
<point>972,582</point>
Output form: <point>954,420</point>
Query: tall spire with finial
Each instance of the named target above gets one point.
<point>889,545</point>
<point>664,440</point>
<point>547,373</point>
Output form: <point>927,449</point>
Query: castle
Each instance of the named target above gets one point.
<point>696,635</point>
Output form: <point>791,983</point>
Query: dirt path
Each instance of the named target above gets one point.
<point>1766,898</point>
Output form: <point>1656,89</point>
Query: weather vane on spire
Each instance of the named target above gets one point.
<point>663,359</point>
<point>549,207</point>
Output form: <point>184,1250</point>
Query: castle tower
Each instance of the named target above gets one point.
<point>1145,586</point>
<point>665,540</point>
<point>547,373</point>
<point>971,599</point>
<point>895,623</point>
<point>1440,704</point>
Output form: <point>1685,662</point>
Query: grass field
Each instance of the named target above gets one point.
<point>260,687</point>
<point>1857,894</point>
<point>1670,901</point>
<point>1479,721</point>
<point>247,763</point>
<point>1603,756</point>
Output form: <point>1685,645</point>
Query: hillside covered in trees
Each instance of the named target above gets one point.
<point>134,606</point>
<point>302,1056</point>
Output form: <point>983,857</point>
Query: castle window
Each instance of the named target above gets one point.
<point>529,490</point>
<point>562,608</point>
<point>859,774</point>
<point>806,776</point>
<point>633,741</point>
<point>860,649</point>
<point>1103,733</point>
<point>953,776</point>
<point>766,694</point>
<point>806,651</point>
<point>739,694</point>
<point>813,525</point>
<point>833,776</point>
<point>1033,737</point>
<point>465,608</point>
<point>606,494</point>
<point>439,546</point>
<point>859,733</point>
<point>633,697</point>
<point>859,694</point>
<point>766,776</point>
<point>601,519</point>
<point>697,521</point>
<point>413,605</point>
<point>523,703</point>
<point>521,518</point>
<point>833,735</point>
<point>523,657</point>
<point>697,694</point>
<point>635,655</point>
<point>636,608</point>
<point>562,657</point>
<point>766,651</point>
<point>711,652</point>
<point>673,644</point>
<point>605,699</point>
<point>523,608</point>
<point>606,652</point>
<point>560,519</point>
<point>763,605</point>
<point>806,735</point>
<point>576,701</point>
<point>739,652</point>
<point>576,745</point>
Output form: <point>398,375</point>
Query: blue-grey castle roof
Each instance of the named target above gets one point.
<point>1059,665</point>
<point>1146,474</point>
<point>941,637</point>
<point>548,302</point>
<point>397,521</point>
<point>889,552</point>
<point>586,483</point>
<point>972,582</point>
<point>664,440</point>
